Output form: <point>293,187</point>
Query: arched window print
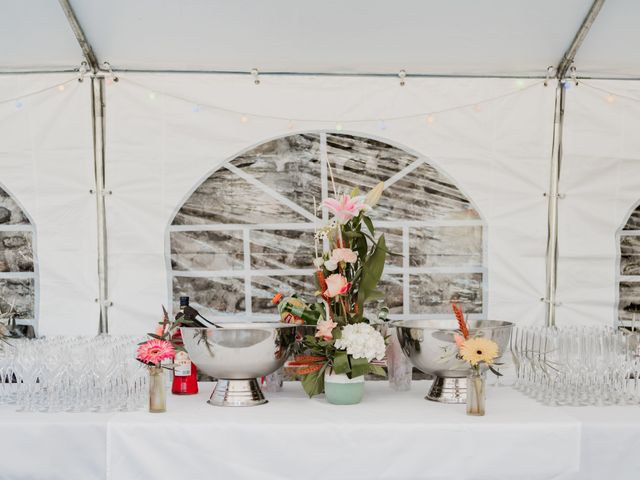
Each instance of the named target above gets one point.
<point>629,273</point>
<point>17,265</point>
<point>246,231</point>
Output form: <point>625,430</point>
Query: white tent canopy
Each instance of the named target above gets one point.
<point>327,66</point>
<point>426,37</point>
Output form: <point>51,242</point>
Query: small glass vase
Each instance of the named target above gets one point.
<point>399,366</point>
<point>157,391</point>
<point>342,390</point>
<point>273,382</point>
<point>476,386</point>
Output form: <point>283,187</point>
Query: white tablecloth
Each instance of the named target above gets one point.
<point>390,435</point>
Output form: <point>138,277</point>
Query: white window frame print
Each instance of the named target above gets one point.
<point>620,278</point>
<point>19,228</point>
<point>247,272</point>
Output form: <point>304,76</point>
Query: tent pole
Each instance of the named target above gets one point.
<point>556,159</point>
<point>87,50</point>
<point>570,55</point>
<point>524,76</point>
<point>553,195</point>
<point>97,109</point>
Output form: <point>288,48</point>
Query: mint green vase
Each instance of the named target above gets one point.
<point>342,390</point>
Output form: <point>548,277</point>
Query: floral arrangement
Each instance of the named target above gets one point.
<point>160,346</point>
<point>474,350</point>
<point>347,275</point>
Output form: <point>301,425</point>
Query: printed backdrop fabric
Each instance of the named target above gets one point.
<point>163,140</point>
<point>46,165</point>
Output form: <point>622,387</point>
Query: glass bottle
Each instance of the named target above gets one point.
<point>185,374</point>
<point>294,310</point>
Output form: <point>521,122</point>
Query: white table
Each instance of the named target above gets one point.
<point>391,435</point>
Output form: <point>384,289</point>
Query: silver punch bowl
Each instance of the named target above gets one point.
<point>430,346</point>
<point>236,355</point>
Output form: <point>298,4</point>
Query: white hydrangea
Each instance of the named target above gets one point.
<point>361,340</point>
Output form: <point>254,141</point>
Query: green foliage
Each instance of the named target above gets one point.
<point>313,383</point>
<point>377,370</point>
<point>371,273</point>
<point>359,367</point>
<point>341,362</point>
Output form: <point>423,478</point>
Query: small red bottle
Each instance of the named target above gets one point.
<point>185,379</point>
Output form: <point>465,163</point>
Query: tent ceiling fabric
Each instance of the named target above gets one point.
<point>421,36</point>
<point>611,48</point>
<point>35,35</point>
<point>465,37</point>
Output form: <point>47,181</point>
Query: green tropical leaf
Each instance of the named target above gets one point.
<point>359,367</point>
<point>313,383</point>
<point>375,295</point>
<point>341,362</point>
<point>371,272</point>
<point>367,221</point>
<point>377,370</point>
<point>360,245</point>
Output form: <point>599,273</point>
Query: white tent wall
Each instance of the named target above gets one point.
<point>159,148</point>
<point>46,163</point>
<point>601,183</point>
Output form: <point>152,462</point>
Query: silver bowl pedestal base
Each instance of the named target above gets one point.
<point>237,393</point>
<point>448,390</point>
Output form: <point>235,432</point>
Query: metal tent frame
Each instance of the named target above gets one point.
<point>563,72</point>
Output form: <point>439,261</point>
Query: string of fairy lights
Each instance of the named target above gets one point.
<point>609,96</point>
<point>21,101</point>
<point>292,122</point>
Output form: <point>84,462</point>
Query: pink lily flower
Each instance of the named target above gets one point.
<point>345,207</point>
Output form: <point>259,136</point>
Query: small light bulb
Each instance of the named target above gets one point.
<point>244,119</point>
<point>338,127</point>
<point>152,95</point>
<point>610,98</point>
<point>61,88</point>
<point>430,119</point>
<point>566,85</point>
